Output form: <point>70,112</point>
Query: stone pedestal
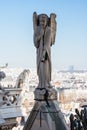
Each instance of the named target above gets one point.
<point>45,114</point>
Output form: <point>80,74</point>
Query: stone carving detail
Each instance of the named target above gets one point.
<point>9,96</point>
<point>11,100</point>
<point>44,38</point>
<point>22,80</point>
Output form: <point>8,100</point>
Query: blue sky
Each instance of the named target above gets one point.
<point>16,32</point>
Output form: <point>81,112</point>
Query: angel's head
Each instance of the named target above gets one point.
<point>43,20</point>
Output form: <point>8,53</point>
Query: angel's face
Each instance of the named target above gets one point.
<point>43,20</point>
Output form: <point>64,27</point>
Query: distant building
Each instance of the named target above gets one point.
<point>71,68</point>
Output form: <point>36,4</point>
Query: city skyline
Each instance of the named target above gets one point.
<point>16,33</point>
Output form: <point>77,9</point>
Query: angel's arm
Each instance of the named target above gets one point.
<point>38,31</point>
<point>35,17</point>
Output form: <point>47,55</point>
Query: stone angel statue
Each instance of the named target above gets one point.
<point>44,38</point>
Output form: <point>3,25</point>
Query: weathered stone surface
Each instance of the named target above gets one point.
<point>23,79</point>
<point>45,114</point>
<point>9,108</point>
<point>44,37</point>
<point>42,94</point>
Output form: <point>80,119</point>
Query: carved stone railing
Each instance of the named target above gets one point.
<point>12,97</point>
<point>9,107</point>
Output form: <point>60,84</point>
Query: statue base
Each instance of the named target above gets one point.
<point>42,94</point>
<point>46,114</point>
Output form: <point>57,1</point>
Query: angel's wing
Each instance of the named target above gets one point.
<point>35,17</point>
<point>53,27</point>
